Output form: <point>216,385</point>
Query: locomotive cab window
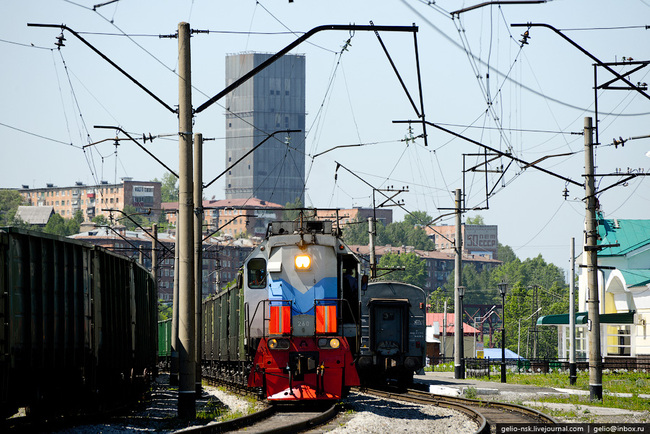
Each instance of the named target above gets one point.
<point>257,273</point>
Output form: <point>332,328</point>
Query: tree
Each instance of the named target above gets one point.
<point>418,218</point>
<point>478,220</point>
<point>9,202</point>
<point>437,299</point>
<point>415,268</point>
<point>168,188</point>
<point>403,233</point>
<point>505,253</point>
<point>356,232</point>
<point>165,310</point>
<point>100,220</point>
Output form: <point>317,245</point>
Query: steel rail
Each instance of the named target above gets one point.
<point>437,400</point>
<point>506,406</point>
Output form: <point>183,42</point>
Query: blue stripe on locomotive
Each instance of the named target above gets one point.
<point>303,303</point>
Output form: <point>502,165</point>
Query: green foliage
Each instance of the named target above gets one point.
<point>415,268</point>
<point>168,188</point>
<point>165,310</point>
<point>356,233</point>
<point>405,233</point>
<point>522,278</point>
<point>437,299</point>
<point>613,382</point>
<point>57,225</point>
<point>100,220</point>
<point>477,220</point>
<point>293,210</point>
<point>9,202</point>
<point>505,253</point>
<point>140,219</point>
<point>418,218</point>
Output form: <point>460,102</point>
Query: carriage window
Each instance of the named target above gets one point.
<point>257,273</point>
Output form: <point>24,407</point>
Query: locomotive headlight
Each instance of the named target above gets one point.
<point>303,262</point>
<point>326,343</point>
<point>278,344</point>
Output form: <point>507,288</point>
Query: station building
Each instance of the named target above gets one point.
<point>623,294</point>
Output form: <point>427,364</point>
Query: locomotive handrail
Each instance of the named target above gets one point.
<point>264,318</point>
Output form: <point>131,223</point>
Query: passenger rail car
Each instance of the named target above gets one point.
<point>393,333</point>
<point>290,325</point>
<point>78,324</point>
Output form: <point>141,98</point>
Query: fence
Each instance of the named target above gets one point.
<point>486,367</point>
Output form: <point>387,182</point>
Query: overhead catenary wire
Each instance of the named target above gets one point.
<point>523,86</point>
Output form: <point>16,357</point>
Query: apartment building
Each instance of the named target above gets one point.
<point>439,265</point>
<point>345,216</point>
<point>233,217</point>
<point>94,200</point>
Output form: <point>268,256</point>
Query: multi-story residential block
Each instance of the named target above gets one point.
<point>346,216</point>
<point>233,217</point>
<point>221,258</point>
<point>439,265</point>
<point>93,200</point>
<point>273,100</point>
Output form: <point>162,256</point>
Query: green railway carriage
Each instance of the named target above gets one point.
<point>224,335</point>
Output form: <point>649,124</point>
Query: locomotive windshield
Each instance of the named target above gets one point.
<point>257,273</point>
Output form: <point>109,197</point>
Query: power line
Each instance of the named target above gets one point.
<point>40,136</point>
<point>523,86</point>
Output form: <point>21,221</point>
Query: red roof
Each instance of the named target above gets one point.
<point>438,317</point>
<point>231,203</point>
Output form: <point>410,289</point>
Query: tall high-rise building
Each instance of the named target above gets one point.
<point>272,100</point>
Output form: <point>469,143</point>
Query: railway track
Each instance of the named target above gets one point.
<point>273,420</point>
<point>486,414</point>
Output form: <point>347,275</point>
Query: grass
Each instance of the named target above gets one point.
<point>442,367</point>
<point>630,382</point>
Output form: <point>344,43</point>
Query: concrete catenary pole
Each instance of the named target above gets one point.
<point>186,318</point>
<point>371,247</point>
<point>591,253</point>
<point>458,317</point>
<point>572,319</point>
<point>154,266</point>
<point>444,332</point>
<point>198,254</point>
<point>173,369</point>
<point>154,257</point>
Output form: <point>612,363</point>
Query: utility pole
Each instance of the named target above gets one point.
<point>154,257</point>
<point>198,254</point>
<point>459,371</point>
<point>186,318</point>
<point>371,247</point>
<point>444,330</point>
<point>173,374</point>
<point>154,265</point>
<point>591,253</point>
<point>572,319</point>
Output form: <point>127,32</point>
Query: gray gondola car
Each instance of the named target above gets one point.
<point>393,333</point>
<point>79,324</point>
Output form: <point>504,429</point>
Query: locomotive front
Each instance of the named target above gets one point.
<point>301,305</point>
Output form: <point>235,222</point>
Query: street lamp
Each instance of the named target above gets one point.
<point>503,287</point>
<point>461,345</point>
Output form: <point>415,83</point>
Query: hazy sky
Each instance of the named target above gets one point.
<point>476,80</point>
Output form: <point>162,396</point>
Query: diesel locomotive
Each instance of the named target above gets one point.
<point>290,326</point>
